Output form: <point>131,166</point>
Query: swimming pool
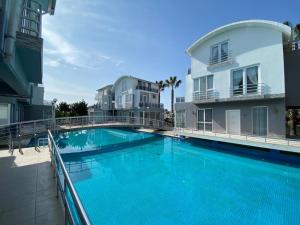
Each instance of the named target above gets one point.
<point>128,177</point>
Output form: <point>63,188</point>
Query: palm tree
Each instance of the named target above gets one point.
<point>161,86</point>
<point>173,83</point>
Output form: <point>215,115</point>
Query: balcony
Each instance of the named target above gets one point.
<point>145,88</point>
<point>248,90</point>
<point>31,18</point>
<point>204,96</point>
<point>151,105</point>
<point>295,45</point>
<point>223,59</point>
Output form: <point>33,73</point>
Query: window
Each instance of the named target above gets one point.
<point>203,87</point>
<point>180,118</point>
<point>224,51</point>
<point>219,53</point>
<point>237,82</point>
<point>260,120</point>
<point>205,117</point>
<point>214,54</point>
<point>124,85</point>
<point>252,79</point>
<point>245,81</point>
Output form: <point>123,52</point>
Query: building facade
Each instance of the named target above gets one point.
<point>21,50</point>
<point>131,97</point>
<point>237,80</point>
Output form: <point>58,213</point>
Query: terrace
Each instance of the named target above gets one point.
<point>30,168</point>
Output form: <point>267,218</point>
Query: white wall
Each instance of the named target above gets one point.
<point>249,46</point>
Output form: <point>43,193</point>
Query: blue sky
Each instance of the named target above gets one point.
<point>90,43</point>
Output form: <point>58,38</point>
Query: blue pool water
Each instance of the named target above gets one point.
<point>130,177</point>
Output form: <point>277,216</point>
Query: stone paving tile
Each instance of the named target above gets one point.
<point>27,190</point>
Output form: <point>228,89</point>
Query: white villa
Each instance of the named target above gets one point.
<point>128,96</point>
<point>237,80</point>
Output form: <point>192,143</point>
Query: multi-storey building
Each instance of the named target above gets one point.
<point>129,96</point>
<point>21,49</point>
<point>237,81</point>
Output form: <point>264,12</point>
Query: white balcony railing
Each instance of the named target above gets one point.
<point>224,58</point>
<point>30,22</point>
<point>204,95</point>
<point>249,89</point>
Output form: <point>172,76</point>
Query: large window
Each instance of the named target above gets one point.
<point>245,81</point>
<point>224,51</point>
<point>4,114</point>
<point>219,53</point>
<point>180,118</point>
<point>203,87</point>
<point>260,120</point>
<point>215,54</point>
<point>237,82</point>
<point>205,117</point>
<point>252,79</point>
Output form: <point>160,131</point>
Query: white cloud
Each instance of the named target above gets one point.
<point>66,89</point>
<point>52,63</point>
<point>59,50</point>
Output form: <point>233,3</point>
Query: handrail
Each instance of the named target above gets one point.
<point>247,137</point>
<point>67,184</point>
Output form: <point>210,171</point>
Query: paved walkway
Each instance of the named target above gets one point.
<point>27,189</point>
<point>262,142</point>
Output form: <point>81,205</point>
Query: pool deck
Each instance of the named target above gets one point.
<point>27,189</point>
<point>261,142</point>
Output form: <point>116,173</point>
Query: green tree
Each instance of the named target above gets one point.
<point>64,108</point>
<point>161,86</point>
<point>173,83</point>
<point>79,108</point>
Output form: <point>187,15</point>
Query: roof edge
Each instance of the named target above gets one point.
<point>286,30</point>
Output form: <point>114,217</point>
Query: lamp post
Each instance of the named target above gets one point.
<point>53,110</point>
<point>113,107</point>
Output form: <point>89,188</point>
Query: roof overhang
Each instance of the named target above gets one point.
<point>286,30</point>
<point>48,6</point>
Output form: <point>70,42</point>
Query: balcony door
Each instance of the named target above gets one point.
<point>260,120</point>
<point>233,121</point>
<point>203,87</point>
<point>204,120</point>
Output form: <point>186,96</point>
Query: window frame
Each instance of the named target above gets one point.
<point>244,74</point>
<point>204,119</point>
<point>218,45</point>
<point>184,117</point>
<point>252,119</point>
<point>207,90</point>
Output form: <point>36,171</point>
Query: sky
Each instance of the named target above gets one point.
<point>90,43</point>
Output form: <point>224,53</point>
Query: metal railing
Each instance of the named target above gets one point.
<point>246,137</point>
<point>145,88</point>
<point>20,134</point>
<point>221,59</point>
<point>151,105</point>
<point>65,186</point>
<point>295,45</point>
<point>30,22</point>
<point>248,89</point>
<point>204,95</point>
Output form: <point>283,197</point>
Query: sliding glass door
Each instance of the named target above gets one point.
<point>260,121</point>
<point>205,119</point>
<point>4,113</point>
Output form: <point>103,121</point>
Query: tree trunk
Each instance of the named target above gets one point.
<point>159,96</point>
<point>172,104</point>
